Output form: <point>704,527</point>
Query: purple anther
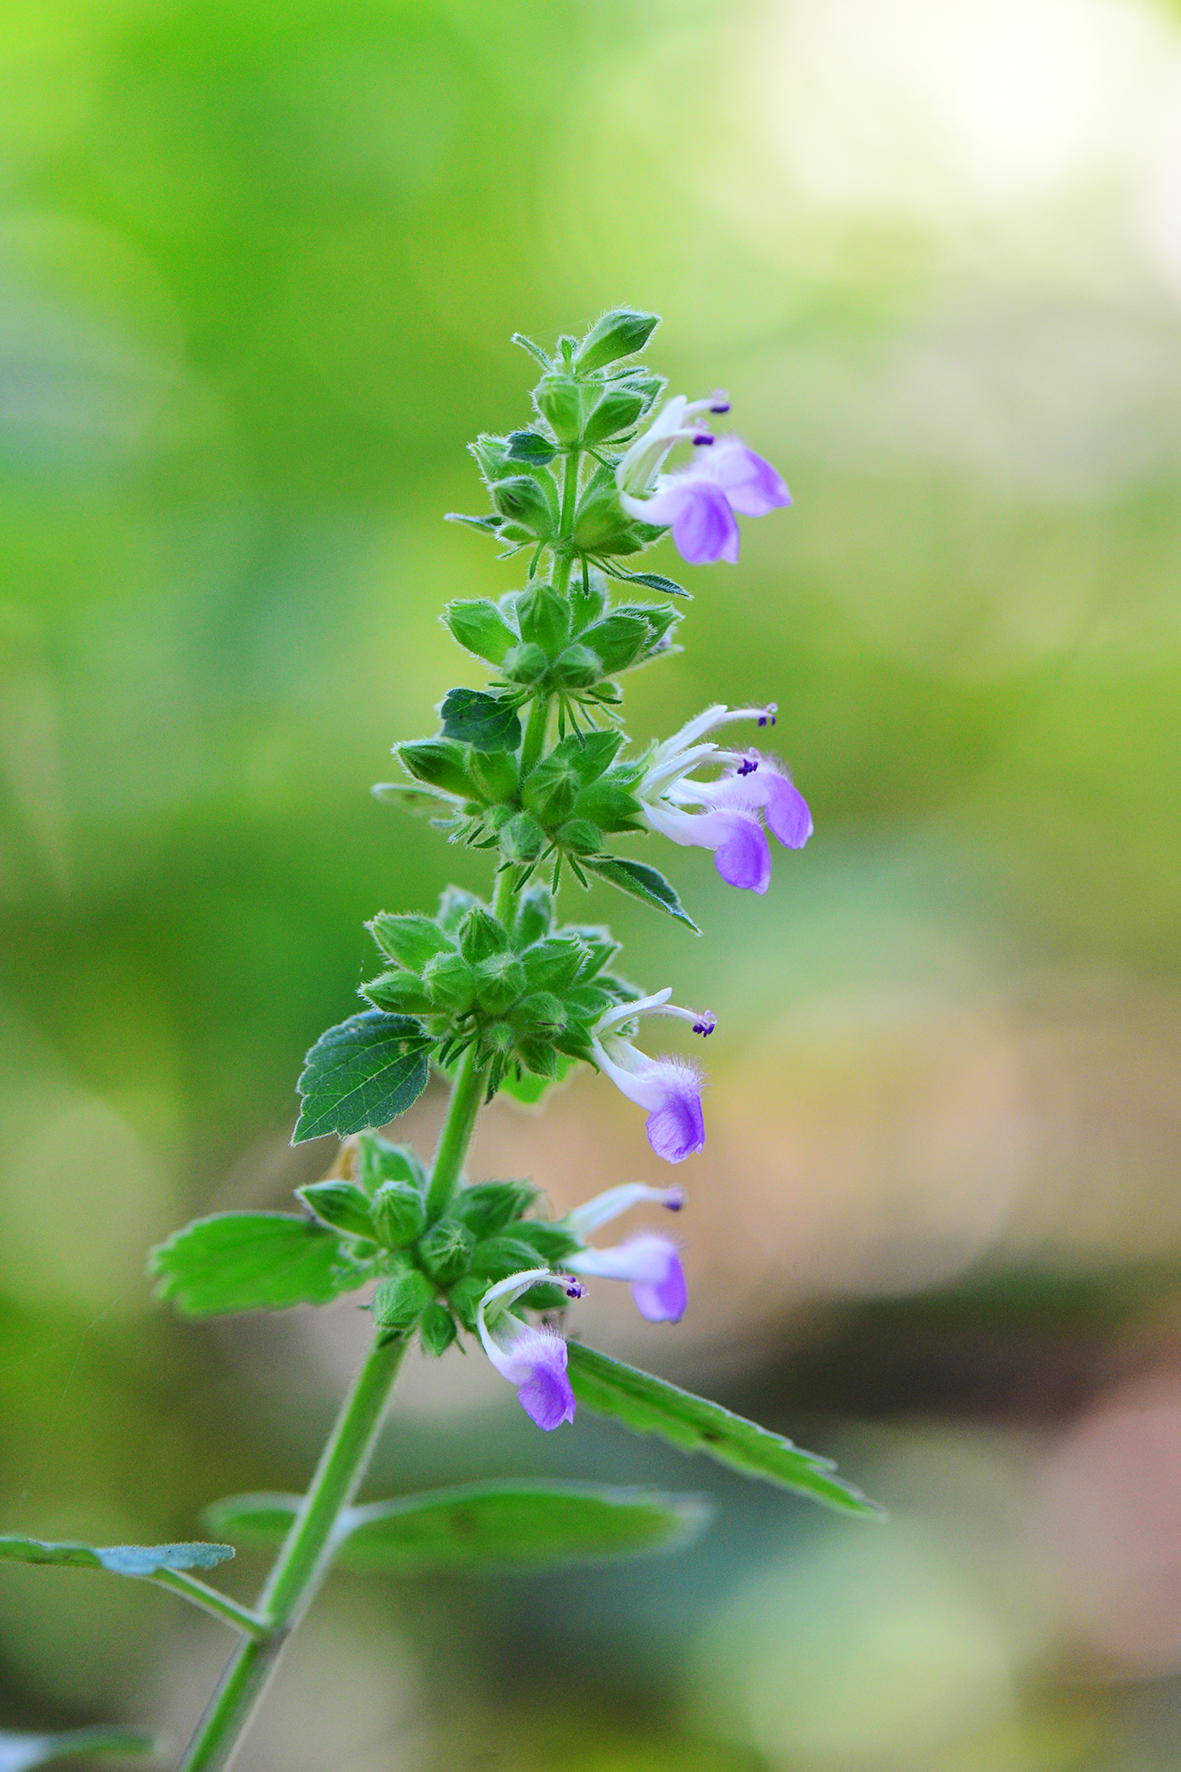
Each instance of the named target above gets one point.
<point>748,765</point>
<point>719,400</point>
<point>574,1289</point>
<point>705,1023</point>
<point>767,717</point>
<point>702,438</point>
<point>674,1199</point>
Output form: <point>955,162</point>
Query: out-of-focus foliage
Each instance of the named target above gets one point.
<point>258,270</point>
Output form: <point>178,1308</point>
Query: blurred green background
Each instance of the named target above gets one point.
<point>259,265</point>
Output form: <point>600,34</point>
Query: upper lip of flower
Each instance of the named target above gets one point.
<point>639,464</point>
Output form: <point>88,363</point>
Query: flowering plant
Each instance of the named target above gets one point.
<point>534,769</point>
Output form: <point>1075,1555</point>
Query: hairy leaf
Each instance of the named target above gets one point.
<point>120,1559</point>
<point>362,1074</point>
<point>479,719</point>
<point>248,1261</point>
<point>642,882</point>
<point>656,581</point>
<point>524,1524</point>
<point>20,1752</point>
<point>650,1405</point>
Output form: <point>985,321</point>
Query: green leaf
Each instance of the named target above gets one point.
<point>656,581</point>
<point>481,720</point>
<point>492,524</point>
<point>531,447</point>
<point>361,1074</point>
<point>20,1752</point>
<point>650,1405</point>
<point>248,1261</point>
<point>120,1559</point>
<point>527,1524</point>
<point>642,882</point>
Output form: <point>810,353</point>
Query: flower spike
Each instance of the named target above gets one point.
<point>532,1359</point>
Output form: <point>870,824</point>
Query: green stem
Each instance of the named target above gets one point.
<point>535,730</point>
<point>209,1600</point>
<point>466,1096</point>
<point>302,1563</point>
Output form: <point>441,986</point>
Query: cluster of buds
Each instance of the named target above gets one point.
<point>489,1251</point>
<point>585,484</point>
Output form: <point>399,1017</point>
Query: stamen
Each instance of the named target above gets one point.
<point>573,1288</point>
<point>748,765</point>
<point>705,1024</point>
<point>702,438</point>
<point>767,717</point>
<point>675,1198</point>
<point>719,400</point>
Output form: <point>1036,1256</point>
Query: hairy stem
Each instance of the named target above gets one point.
<point>307,1551</point>
<point>535,732</point>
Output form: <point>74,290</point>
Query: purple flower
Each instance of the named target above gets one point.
<point>725,815</point>
<point>652,1266</point>
<point>532,1359</point>
<point>669,1089</point>
<point>649,1262</point>
<point>697,502</point>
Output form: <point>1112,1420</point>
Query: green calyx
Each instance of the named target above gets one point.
<point>431,1276</point>
<point>526,996</point>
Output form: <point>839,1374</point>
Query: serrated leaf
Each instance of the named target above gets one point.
<point>642,882</point>
<point>656,581</point>
<point>20,1752</point>
<point>649,1405</point>
<point>247,1261</point>
<point>524,1524</point>
<point>481,720</point>
<point>362,1074</point>
<point>119,1559</point>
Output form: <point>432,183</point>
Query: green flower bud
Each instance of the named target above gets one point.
<point>339,1204</point>
<point>451,983</point>
<point>550,790</point>
<point>555,964</point>
<point>464,1297</point>
<point>411,941</point>
<point>495,774</point>
<point>441,762</point>
<point>480,628</point>
<point>500,981</point>
<point>521,839</point>
<point>525,664</point>
<point>446,1251</point>
<point>480,935</point>
<point>540,1016</point>
<point>609,806</point>
<point>581,837</point>
<point>399,1215</point>
<point>559,399</point>
<point>535,916</point>
<point>437,1329</point>
<point>617,411</point>
<point>492,455</point>
<point>544,618</point>
<point>620,333</point>
<point>499,1257</point>
<point>486,1208</point>
<point>454,904</point>
<point>600,522</point>
<point>618,641</point>
<point>401,1300</point>
<point>523,501</point>
<point>377,1161</point>
<point>398,993</point>
<point>577,668</point>
<point>537,1056</point>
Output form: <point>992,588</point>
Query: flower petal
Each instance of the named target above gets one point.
<point>664,1300</point>
<point>787,812</point>
<point>546,1396</point>
<point>750,483</point>
<point>743,858</point>
<point>676,1129</point>
<point>703,528</point>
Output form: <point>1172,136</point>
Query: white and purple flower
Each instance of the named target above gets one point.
<point>532,1359</point>
<point>727,814</point>
<point>668,1088</point>
<point>699,501</point>
<point>650,1263</point>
